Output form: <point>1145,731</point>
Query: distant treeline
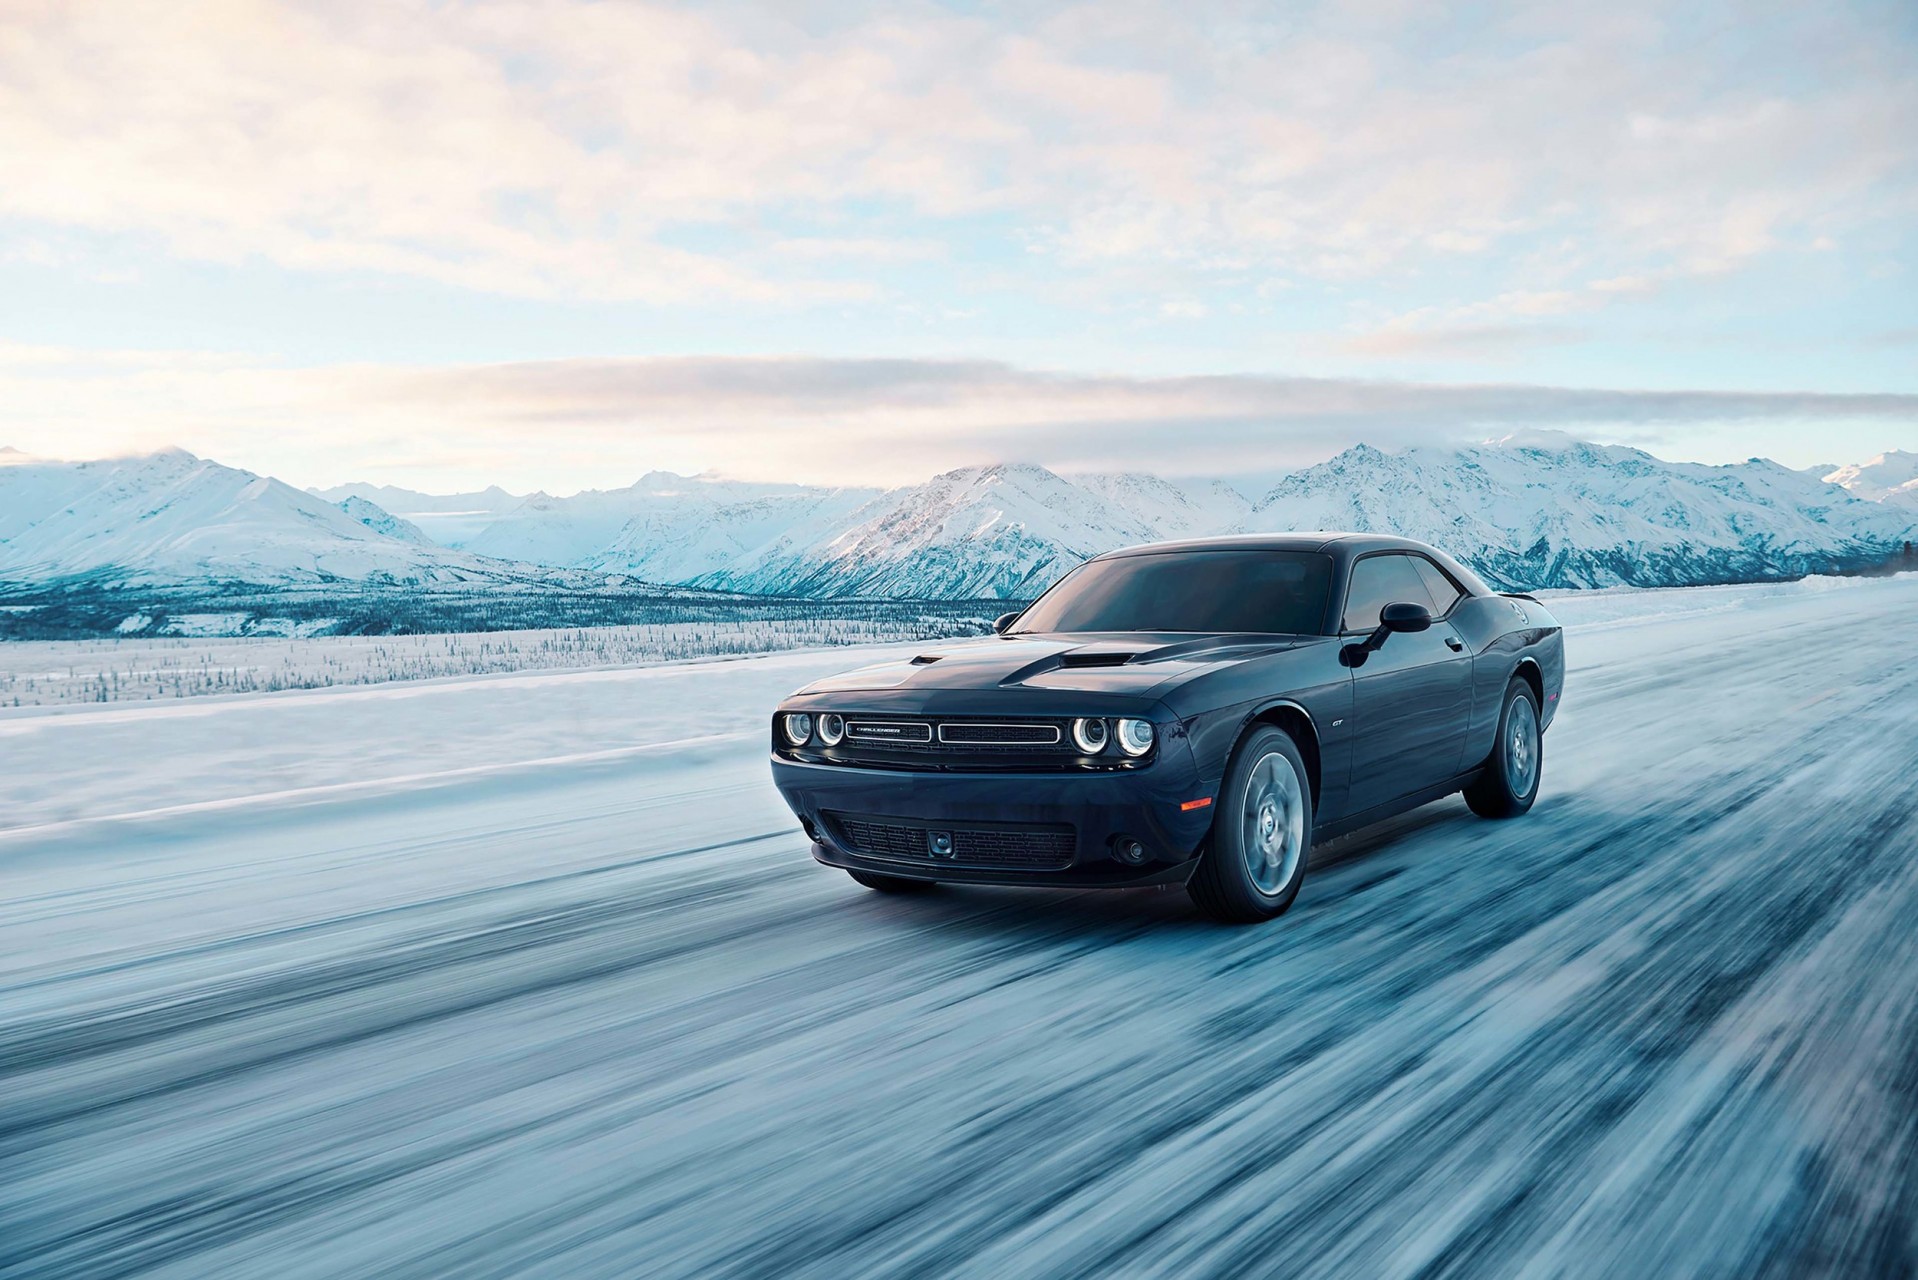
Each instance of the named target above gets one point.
<point>83,610</point>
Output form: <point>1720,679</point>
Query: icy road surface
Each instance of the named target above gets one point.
<point>533,974</point>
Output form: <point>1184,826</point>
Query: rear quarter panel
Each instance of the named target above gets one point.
<point>1503,634</point>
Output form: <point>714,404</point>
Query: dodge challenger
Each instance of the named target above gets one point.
<point>1198,713</point>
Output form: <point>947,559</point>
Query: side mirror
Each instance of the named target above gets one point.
<point>1400,615</point>
<point>1404,616</point>
<point>1007,619</point>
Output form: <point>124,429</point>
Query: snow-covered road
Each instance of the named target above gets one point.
<point>532,974</point>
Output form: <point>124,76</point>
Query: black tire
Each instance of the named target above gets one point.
<point>892,884</point>
<point>1224,885</point>
<point>1514,770</point>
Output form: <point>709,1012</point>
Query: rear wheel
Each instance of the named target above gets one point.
<point>1254,861</point>
<point>1510,781</point>
<point>892,884</point>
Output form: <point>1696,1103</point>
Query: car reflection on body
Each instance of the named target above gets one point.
<point>1196,713</point>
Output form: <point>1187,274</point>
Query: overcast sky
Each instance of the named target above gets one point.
<point>554,244</point>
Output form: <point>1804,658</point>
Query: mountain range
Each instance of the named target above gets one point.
<point>1534,510</point>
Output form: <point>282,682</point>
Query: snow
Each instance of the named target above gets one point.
<point>1535,509</point>
<point>449,519</point>
<point>169,516</point>
<point>1890,477</point>
<point>208,655</point>
<point>663,528</point>
<point>1544,511</point>
<point>383,522</point>
<point>531,973</point>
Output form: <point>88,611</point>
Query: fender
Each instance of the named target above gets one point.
<point>1322,758</point>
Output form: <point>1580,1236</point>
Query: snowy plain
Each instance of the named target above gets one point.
<point>531,972</point>
<point>145,668</point>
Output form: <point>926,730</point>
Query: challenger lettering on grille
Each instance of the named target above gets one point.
<point>889,731</point>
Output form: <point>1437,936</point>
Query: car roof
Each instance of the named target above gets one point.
<point>1316,540</point>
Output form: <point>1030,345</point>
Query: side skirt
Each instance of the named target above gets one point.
<point>1392,809</point>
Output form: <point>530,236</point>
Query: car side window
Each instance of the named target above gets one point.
<point>1381,580</point>
<point>1445,592</point>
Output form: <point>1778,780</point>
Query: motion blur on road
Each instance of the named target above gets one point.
<point>535,974</point>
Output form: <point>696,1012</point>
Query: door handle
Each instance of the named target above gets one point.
<point>1454,645</point>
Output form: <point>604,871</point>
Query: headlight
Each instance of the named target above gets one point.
<point>832,728</point>
<point>798,728</point>
<point>1135,737</point>
<point>1089,735</point>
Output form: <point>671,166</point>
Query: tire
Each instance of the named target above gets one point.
<point>892,884</point>
<point>1254,860</point>
<point>1513,771</point>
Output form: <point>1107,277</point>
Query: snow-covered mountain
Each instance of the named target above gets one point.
<point>663,528</point>
<point>709,531</point>
<point>1172,508</point>
<point>1543,510</point>
<point>1002,531</point>
<point>380,520</point>
<point>1537,510</point>
<point>1890,477</point>
<point>172,517</point>
<point>450,519</point>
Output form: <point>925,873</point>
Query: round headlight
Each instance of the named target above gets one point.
<point>1089,735</point>
<point>832,729</point>
<point>1135,737</point>
<point>798,728</point>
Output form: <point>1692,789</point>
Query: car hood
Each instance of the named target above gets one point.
<point>1121,663</point>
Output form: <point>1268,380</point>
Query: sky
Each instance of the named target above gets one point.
<point>555,244</point>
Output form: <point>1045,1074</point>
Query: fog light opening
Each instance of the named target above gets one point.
<point>1130,851</point>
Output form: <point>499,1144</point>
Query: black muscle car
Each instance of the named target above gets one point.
<point>1188,712</point>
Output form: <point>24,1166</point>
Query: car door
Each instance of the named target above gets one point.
<point>1412,697</point>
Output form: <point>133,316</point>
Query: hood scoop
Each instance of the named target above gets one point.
<point>1080,658</point>
<point>927,659</point>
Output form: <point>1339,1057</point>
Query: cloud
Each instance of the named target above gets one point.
<point>1472,341</point>
<point>580,150</point>
<point>567,424</point>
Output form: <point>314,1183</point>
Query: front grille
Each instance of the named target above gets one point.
<point>1035,847</point>
<point>995,735</point>
<point>874,739</point>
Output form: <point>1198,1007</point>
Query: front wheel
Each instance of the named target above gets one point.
<point>891,884</point>
<point>1254,861</point>
<point>1510,781</point>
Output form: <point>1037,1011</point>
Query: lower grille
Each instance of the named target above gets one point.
<point>1004,845</point>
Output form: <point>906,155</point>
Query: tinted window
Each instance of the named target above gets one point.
<point>1444,591</point>
<point>1205,591</point>
<point>1378,581</point>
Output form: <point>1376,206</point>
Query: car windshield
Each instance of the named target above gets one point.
<point>1201,591</point>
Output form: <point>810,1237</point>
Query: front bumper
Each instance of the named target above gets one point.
<point>1100,810</point>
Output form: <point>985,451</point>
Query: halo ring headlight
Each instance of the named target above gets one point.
<point>1089,734</point>
<point>832,729</point>
<point>1135,736</point>
<point>798,727</point>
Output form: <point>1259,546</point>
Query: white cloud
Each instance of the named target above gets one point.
<point>555,147</point>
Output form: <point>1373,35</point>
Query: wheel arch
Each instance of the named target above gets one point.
<point>1297,723</point>
<point>1528,671</point>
